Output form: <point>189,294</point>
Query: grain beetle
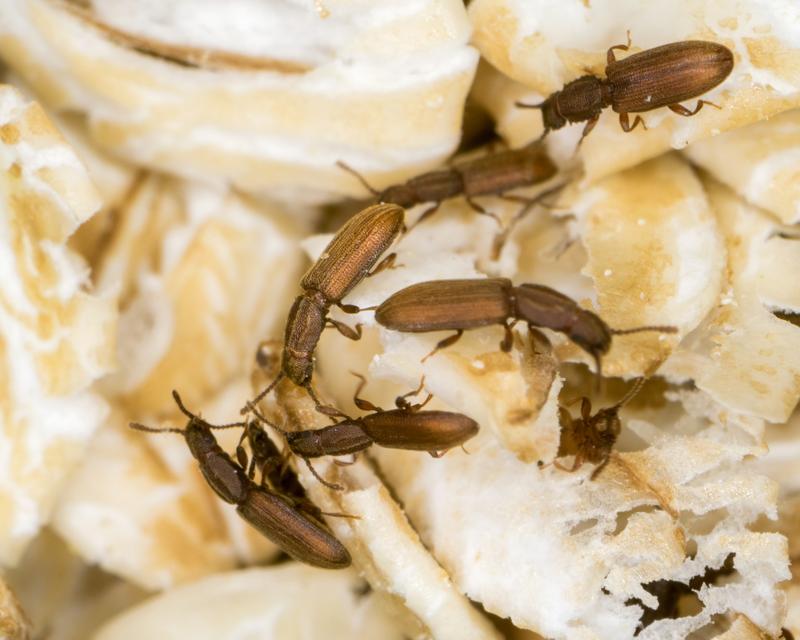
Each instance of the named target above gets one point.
<point>347,260</point>
<point>492,174</point>
<point>458,305</point>
<point>593,436</point>
<point>660,77</point>
<point>303,537</point>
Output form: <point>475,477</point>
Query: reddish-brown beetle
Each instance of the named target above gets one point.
<point>457,305</point>
<point>593,436</point>
<point>659,77</point>
<point>491,174</point>
<point>274,515</point>
<point>349,258</point>
<point>406,427</point>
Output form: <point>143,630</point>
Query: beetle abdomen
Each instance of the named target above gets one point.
<point>667,74</point>
<point>446,304</point>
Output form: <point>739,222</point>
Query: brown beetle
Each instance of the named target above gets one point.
<point>458,305</point>
<point>659,77</point>
<point>406,427</point>
<point>275,516</point>
<point>594,436</point>
<point>491,174</point>
<point>347,260</point>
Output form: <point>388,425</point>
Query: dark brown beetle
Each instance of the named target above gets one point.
<point>458,305</point>
<point>347,260</point>
<point>659,77</point>
<point>274,515</point>
<point>593,436</point>
<point>407,427</point>
<point>491,174</point>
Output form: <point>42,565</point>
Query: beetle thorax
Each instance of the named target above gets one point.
<point>583,99</point>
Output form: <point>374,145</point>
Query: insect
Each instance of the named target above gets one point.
<point>458,305</point>
<point>659,77</point>
<point>349,258</point>
<point>492,174</point>
<point>273,514</point>
<point>594,436</point>
<point>406,427</point>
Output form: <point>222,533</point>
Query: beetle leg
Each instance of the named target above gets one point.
<point>479,209</point>
<point>443,344</point>
<point>330,485</point>
<point>508,338</point>
<point>324,409</point>
<point>364,405</point>
<point>401,402</point>
<point>590,125</point>
<point>683,111</point>
<point>622,47</point>
<point>386,263</point>
<point>600,467</point>
<point>426,214</point>
<point>625,124</point>
<point>342,463</point>
<point>345,330</point>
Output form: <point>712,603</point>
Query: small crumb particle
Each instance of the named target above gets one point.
<point>641,295</point>
<point>478,364</point>
<point>641,222</point>
<point>649,98</point>
<point>607,273</point>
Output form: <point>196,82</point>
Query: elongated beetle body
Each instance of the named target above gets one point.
<point>406,427</point>
<point>594,436</point>
<point>458,305</point>
<point>432,431</point>
<point>349,258</point>
<point>491,174</point>
<point>304,538</point>
<point>659,77</point>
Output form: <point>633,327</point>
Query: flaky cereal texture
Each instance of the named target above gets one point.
<point>159,246</point>
<point>379,84</point>
<point>56,337</point>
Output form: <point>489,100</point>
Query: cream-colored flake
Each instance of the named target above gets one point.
<point>381,85</point>
<point>56,337</point>
<point>290,602</point>
<point>202,275</point>
<point>761,162</point>
<point>742,354</point>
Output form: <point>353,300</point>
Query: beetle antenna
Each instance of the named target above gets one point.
<point>252,403</point>
<point>142,427</point>
<point>343,165</point>
<point>635,389</point>
<point>193,416</point>
<point>524,105</point>
<point>655,327</point>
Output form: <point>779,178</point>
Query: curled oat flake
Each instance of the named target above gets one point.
<point>543,49</point>
<point>742,354</point>
<point>188,262</point>
<point>393,78</point>
<point>761,162</point>
<point>56,337</point>
<point>290,601</point>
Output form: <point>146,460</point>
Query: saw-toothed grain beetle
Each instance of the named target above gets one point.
<point>458,305</point>
<point>347,260</point>
<point>492,174</point>
<point>592,437</point>
<point>406,427</point>
<point>275,516</point>
<point>660,77</point>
